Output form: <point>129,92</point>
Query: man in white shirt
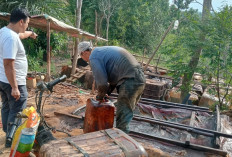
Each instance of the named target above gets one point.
<point>13,67</point>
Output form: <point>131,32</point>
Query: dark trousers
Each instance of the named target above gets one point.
<point>10,107</point>
<point>129,93</point>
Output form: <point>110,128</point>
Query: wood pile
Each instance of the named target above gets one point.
<point>66,70</point>
<point>110,142</point>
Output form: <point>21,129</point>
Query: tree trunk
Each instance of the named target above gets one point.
<point>96,23</point>
<point>78,22</point>
<point>107,28</point>
<point>100,25</point>
<point>195,58</point>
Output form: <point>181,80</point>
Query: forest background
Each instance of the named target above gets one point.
<point>201,44</point>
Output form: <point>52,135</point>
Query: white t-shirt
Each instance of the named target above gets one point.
<point>11,47</point>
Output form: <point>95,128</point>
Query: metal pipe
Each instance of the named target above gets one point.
<point>79,109</point>
<point>192,130</point>
<point>166,102</point>
<point>175,104</point>
<point>216,133</point>
<point>179,107</point>
<point>191,108</point>
<point>178,143</point>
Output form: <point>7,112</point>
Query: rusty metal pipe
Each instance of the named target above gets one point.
<point>166,102</point>
<point>176,126</point>
<point>191,108</point>
<point>153,120</point>
<point>172,106</point>
<point>178,143</point>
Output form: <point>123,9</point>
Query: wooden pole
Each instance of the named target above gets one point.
<point>156,68</point>
<point>48,52</point>
<point>157,48</point>
<point>74,63</point>
<point>218,128</point>
<point>96,28</point>
<point>78,22</point>
<point>144,51</point>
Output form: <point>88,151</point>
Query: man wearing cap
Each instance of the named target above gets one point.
<point>13,67</point>
<point>112,67</point>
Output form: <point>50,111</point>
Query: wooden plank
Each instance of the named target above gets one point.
<point>87,137</point>
<point>218,128</point>
<point>78,72</point>
<point>191,123</point>
<point>157,75</point>
<point>67,114</point>
<point>79,75</point>
<point>76,76</point>
<point>93,141</point>
<point>100,148</point>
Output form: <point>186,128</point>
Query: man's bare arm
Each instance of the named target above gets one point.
<point>27,34</point>
<point>11,76</point>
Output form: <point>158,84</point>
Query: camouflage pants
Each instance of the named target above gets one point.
<point>129,92</point>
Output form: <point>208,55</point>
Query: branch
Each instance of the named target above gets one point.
<point>227,89</point>
<point>197,2</point>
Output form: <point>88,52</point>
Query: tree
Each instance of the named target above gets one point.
<point>195,58</point>
<point>217,55</point>
<point>108,8</point>
<point>139,24</point>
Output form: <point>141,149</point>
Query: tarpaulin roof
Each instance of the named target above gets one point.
<point>40,21</point>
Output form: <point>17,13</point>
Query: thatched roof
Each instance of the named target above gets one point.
<point>40,21</point>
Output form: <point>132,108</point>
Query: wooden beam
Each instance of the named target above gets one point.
<point>218,127</point>
<point>157,48</point>
<point>68,115</point>
<point>191,123</point>
<point>48,52</point>
<point>74,62</point>
<point>157,75</point>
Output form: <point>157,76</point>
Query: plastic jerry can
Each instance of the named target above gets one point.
<point>98,115</point>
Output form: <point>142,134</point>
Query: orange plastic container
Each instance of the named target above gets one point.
<point>98,115</point>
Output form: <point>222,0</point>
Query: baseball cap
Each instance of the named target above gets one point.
<point>83,46</point>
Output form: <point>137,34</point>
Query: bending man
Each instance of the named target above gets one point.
<point>112,67</point>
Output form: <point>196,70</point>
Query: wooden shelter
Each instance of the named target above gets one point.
<point>49,23</point>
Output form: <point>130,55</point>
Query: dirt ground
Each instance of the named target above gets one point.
<point>66,98</point>
<point>3,151</point>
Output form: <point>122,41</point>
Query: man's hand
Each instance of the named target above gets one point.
<point>111,89</point>
<point>15,93</point>
<point>11,77</point>
<point>102,99</point>
<point>33,35</point>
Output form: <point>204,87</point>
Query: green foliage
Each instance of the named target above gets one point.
<point>181,44</point>
<point>222,107</point>
<point>37,49</point>
<point>182,4</point>
<point>138,25</point>
<point>57,8</point>
<point>215,60</point>
<point>34,64</point>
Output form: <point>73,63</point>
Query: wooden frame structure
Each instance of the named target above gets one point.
<point>48,23</point>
